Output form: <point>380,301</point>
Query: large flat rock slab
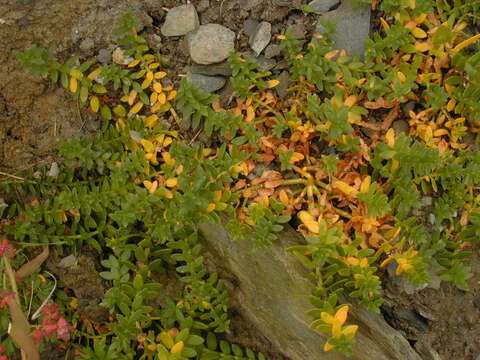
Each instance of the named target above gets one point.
<point>270,284</point>
<point>353,26</point>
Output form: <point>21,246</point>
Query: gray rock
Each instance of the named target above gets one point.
<point>180,20</point>
<point>212,70</point>
<point>249,4</point>
<point>54,171</point>
<point>261,38</point>
<point>104,56</point>
<point>263,63</point>
<point>154,42</point>
<point>203,5</point>
<point>297,31</point>
<point>250,26</point>
<point>211,43</point>
<point>272,50</point>
<point>353,27</point>
<point>281,89</point>
<point>204,82</point>
<point>322,6</point>
<point>401,126</point>
<point>426,351</point>
<point>87,44</point>
<point>266,282</point>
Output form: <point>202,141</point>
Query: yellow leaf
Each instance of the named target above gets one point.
<point>168,158</point>
<point>136,108</point>
<point>218,195</point>
<point>131,97</point>
<point>151,120</point>
<point>179,170</point>
<point>412,4</point>
<point>94,73</point>
<point>354,118</point>
<point>395,165</point>
<point>172,95</point>
<point>390,138</point>
<point>350,331</point>
<point>124,98</point>
<point>153,66</point>
<point>440,132</point>
<point>465,43</point>
<point>421,18</point>
<point>283,197</point>
<point>309,221</point>
<point>345,188</point>
<point>401,76</point>
<point>178,347</point>
<point>341,315</point>
<point>77,74</point>
<point>162,99</point>
<point>281,37</point>
<point>73,84</point>
<point>94,103</point>
<point>147,184</point>
<point>156,107</point>
<point>172,182</point>
<point>365,185</point>
<point>153,188</point>
<point>133,63</point>
<point>157,87</point>
<point>147,145</point>
<point>386,261</point>
<point>352,261</point>
<point>328,347</point>
<point>451,104</point>
<point>404,266</point>
<point>210,207</point>
<point>296,157</point>
<point>327,318</point>
<point>331,54</point>
<point>153,97</point>
<point>148,80</point>
<point>364,263</point>
<point>160,75</point>
<point>350,101</point>
<point>272,83</point>
<point>424,46</point>
<point>418,33</point>
<point>168,140</point>
<point>384,24</point>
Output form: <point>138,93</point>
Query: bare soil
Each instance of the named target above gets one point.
<point>34,114</point>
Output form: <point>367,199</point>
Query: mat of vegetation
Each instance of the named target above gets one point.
<point>326,159</point>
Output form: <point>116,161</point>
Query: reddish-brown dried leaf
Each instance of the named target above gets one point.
<point>20,331</point>
<point>31,266</point>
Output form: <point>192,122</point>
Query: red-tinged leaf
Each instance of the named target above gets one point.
<point>20,331</point>
<point>30,267</point>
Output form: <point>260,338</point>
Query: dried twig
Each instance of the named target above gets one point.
<point>11,176</point>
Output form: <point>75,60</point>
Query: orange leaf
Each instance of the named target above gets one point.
<point>331,54</point>
<point>283,197</point>
<point>131,97</point>
<point>157,87</point>
<point>296,157</point>
<point>424,46</point>
<point>160,75</point>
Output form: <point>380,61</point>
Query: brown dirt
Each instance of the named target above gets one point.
<point>34,114</point>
